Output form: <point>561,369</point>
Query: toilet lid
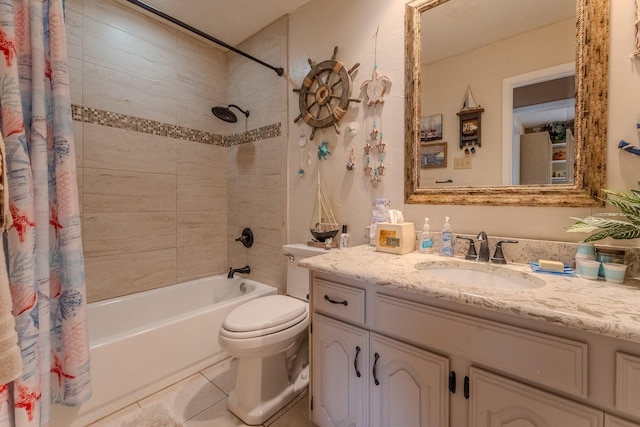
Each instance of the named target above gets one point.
<point>265,313</point>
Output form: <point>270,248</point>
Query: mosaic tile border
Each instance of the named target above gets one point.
<point>137,124</point>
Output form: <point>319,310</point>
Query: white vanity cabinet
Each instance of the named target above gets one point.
<point>362,379</point>
<point>510,371</point>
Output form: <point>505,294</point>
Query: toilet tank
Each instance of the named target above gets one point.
<point>298,277</point>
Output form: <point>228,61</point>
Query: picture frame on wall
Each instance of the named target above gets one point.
<point>431,128</point>
<point>433,155</point>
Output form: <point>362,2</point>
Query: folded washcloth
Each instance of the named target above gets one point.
<point>568,271</point>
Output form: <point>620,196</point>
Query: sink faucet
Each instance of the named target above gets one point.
<point>245,270</point>
<point>483,254</point>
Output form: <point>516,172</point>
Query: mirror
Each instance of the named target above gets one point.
<point>588,126</point>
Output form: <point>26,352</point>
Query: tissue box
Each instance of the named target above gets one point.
<point>395,238</point>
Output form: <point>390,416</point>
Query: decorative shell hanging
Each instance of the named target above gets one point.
<point>375,87</point>
<point>325,94</point>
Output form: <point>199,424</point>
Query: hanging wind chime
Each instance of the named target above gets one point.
<point>374,89</point>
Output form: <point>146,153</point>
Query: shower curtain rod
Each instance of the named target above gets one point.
<point>188,27</point>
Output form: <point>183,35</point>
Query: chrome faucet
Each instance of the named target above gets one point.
<point>483,254</point>
<point>244,270</point>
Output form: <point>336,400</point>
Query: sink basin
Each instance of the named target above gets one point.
<point>479,275</point>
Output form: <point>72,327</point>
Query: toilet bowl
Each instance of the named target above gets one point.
<point>265,335</point>
<point>269,337</point>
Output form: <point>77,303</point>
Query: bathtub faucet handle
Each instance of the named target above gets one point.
<point>246,238</point>
<point>244,270</point>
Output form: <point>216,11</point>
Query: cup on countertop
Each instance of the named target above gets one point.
<point>586,251</point>
<point>614,272</point>
<point>609,255</point>
<point>587,268</point>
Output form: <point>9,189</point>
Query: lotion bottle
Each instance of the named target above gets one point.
<point>446,249</point>
<point>426,242</point>
<point>344,238</point>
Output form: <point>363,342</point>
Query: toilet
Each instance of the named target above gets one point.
<point>269,337</point>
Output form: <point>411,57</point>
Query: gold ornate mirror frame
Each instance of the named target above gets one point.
<point>592,59</point>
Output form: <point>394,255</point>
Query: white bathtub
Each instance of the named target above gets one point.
<point>144,342</point>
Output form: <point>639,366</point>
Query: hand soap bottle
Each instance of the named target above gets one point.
<point>447,248</point>
<point>426,242</point>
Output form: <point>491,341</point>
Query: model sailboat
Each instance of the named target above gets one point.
<point>324,224</point>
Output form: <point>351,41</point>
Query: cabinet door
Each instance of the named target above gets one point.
<point>611,421</point>
<point>409,386</point>
<point>499,402</point>
<point>340,373</point>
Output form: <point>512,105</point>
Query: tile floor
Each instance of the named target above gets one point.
<point>201,401</point>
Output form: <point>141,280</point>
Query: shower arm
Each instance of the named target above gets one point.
<point>188,27</point>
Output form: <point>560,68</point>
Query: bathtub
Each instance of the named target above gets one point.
<point>144,342</point>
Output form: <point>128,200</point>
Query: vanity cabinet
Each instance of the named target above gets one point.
<point>385,357</point>
<point>366,379</point>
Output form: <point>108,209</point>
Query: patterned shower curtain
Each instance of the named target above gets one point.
<point>44,249</point>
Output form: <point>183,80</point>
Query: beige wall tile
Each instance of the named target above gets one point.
<point>75,80</point>
<point>195,261</point>
<point>73,29</point>
<point>202,160</point>
<point>197,193</point>
<point>112,148</point>
<point>132,20</point>
<point>78,140</point>
<point>199,228</point>
<point>123,274</point>
<point>120,50</point>
<point>127,93</point>
<point>128,232</point>
<point>126,191</point>
<point>156,211</point>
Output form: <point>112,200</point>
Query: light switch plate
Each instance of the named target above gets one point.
<point>462,163</point>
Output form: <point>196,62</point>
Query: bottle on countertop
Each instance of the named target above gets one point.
<point>447,247</point>
<point>426,242</point>
<point>344,238</point>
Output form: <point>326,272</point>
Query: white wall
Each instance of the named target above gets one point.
<point>320,25</point>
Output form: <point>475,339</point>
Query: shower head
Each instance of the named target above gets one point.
<point>224,113</point>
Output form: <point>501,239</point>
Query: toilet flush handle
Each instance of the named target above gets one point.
<point>290,256</point>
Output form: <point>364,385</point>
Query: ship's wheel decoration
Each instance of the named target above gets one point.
<point>325,94</point>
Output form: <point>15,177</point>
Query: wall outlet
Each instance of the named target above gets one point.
<point>462,163</point>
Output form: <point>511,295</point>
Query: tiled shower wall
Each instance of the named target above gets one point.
<point>153,163</point>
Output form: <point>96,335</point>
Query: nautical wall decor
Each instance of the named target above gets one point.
<point>325,94</point>
<point>470,123</point>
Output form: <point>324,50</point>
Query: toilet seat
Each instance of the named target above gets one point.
<point>264,316</point>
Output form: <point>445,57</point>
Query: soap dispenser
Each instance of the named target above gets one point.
<point>426,242</point>
<point>446,249</point>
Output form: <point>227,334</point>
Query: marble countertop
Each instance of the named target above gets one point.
<point>594,306</point>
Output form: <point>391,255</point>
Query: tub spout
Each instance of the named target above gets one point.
<point>245,270</point>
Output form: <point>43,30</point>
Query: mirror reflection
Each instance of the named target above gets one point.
<point>466,98</point>
<point>517,59</point>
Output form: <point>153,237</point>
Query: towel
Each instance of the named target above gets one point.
<point>10,357</point>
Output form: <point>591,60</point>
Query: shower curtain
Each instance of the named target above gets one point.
<point>43,247</point>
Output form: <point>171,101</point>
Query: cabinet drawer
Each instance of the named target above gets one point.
<point>339,301</point>
<point>628,383</point>
<point>548,360</point>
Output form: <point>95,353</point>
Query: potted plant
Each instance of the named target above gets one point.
<point>617,225</point>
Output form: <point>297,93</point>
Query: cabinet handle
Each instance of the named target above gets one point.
<point>466,387</point>
<point>355,361</point>
<point>452,382</point>
<point>345,302</point>
<point>375,363</point>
